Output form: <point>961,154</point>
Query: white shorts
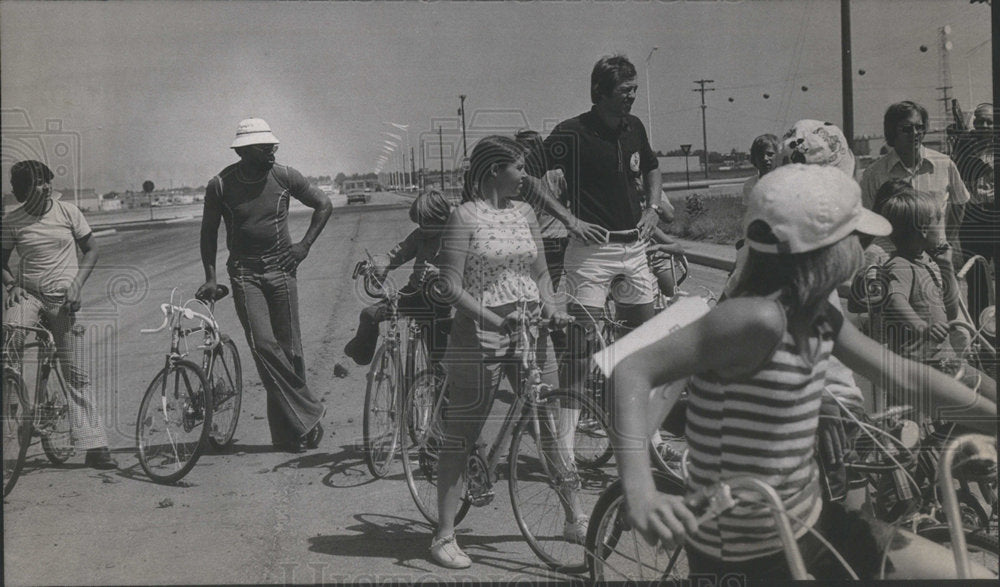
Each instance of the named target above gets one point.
<point>591,269</point>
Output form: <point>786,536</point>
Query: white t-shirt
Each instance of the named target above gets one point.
<point>46,246</point>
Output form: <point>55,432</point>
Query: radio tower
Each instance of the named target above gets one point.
<point>944,48</point>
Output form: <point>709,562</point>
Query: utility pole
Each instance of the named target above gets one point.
<point>441,156</point>
<point>704,133</point>
<point>413,169</point>
<point>461,111</point>
<point>846,74</point>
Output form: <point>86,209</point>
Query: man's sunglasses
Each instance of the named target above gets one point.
<point>266,148</point>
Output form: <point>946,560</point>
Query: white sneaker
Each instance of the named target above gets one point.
<point>575,531</point>
<point>445,552</point>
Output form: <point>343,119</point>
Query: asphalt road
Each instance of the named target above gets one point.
<point>250,515</point>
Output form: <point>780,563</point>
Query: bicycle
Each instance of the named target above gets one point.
<point>391,376</point>
<point>617,552</point>
<point>900,464</point>
<point>535,488</point>
<point>667,443</point>
<point>188,405</point>
<point>46,414</point>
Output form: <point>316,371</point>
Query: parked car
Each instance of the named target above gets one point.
<point>357,196</point>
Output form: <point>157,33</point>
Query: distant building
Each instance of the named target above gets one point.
<point>676,164</point>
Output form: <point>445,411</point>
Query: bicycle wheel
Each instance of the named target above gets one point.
<point>616,552</point>
<point>174,421</point>
<point>541,488</point>
<point>54,427</point>
<point>227,393</point>
<point>16,428</point>
<point>983,548</point>
<point>420,457</point>
<point>381,424</point>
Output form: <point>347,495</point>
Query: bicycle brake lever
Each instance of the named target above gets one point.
<point>358,268</point>
<point>717,501</point>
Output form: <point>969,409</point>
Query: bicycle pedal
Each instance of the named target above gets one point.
<point>480,499</point>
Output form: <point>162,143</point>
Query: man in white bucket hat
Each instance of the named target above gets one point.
<point>252,195</point>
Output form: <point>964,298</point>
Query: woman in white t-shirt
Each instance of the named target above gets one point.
<point>46,233</point>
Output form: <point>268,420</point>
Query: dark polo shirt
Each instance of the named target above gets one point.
<point>604,168</point>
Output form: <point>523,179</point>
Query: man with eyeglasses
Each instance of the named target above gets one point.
<point>905,124</point>
<point>252,195</point>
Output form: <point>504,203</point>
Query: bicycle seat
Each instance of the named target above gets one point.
<point>221,291</point>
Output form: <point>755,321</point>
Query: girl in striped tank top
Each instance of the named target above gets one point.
<point>757,365</point>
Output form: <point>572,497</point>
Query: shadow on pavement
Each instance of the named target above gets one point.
<point>408,541</point>
<point>346,467</point>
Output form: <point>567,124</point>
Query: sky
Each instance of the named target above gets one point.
<point>114,93</point>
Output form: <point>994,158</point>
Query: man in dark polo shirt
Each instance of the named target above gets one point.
<point>252,196</point>
<point>613,185</point>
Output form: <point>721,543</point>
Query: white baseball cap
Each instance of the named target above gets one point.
<point>809,207</point>
<point>253,131</point>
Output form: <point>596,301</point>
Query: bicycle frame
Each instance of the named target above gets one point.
<point>47,358</point>
<point>526,395</point>
<point>172,317</point>
<point>972,447</point>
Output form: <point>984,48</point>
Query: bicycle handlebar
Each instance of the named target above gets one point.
<point>718,498</point>
<point>968,265</point>
<point>170,310</point>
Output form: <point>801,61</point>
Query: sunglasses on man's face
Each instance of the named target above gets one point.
<point>911,129</point>
<point>266,148</point>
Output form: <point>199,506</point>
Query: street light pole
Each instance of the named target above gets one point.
<point>406,128</point>
<point>649,107</point>
<point>465,147</point>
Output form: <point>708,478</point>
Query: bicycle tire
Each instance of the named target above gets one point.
<point>616,552</point>
<point>983,548</point>
<point>54,425</point>
<point>537,493</point>
<point>420,460</point>
<point>227,393</point>
<point>16,428</point>
<point>594,388</point>
<point>381,422</point>
<point>164,457</point>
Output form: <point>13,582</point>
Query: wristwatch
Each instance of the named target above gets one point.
<point>654,208</point>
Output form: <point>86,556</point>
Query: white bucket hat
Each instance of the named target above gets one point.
<point>809,207</point>
<point>253,131</point>
<point>817,143</point>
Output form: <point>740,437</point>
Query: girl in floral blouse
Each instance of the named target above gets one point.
<point>490,264</point>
